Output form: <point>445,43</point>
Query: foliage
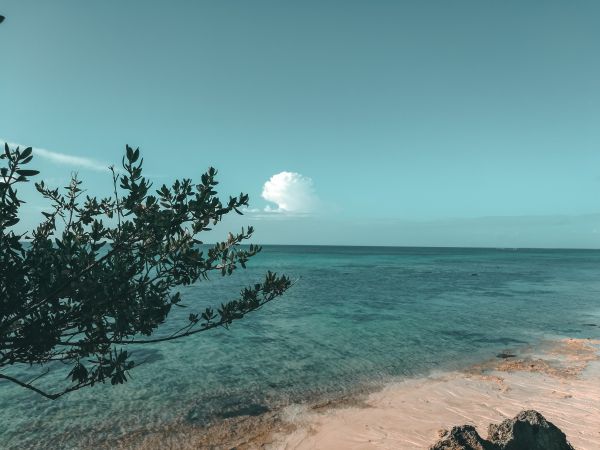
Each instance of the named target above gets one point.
<point>98,275</point>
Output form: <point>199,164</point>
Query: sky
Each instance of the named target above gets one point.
<point>434,123</point>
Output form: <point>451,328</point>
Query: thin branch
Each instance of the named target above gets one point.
<point>40,375</point>
<point>39,391</point>
<point>207,326</point>
<point>118,208</point>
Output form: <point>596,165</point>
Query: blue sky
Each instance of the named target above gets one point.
<point>375,123</point>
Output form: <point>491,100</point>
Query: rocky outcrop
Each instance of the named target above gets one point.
<point>464,437</point>
<point>529,430</point>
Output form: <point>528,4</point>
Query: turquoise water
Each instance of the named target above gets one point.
<point>357,316</point>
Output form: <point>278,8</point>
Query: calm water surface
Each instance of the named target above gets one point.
<point>356,316</point>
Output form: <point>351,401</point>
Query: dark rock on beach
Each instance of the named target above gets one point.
<point>529,430</point>
<point>464,437</point>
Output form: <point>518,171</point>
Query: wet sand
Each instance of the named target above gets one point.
<point>560,379</point>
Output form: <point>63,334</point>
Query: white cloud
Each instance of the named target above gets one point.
<point>63,159</point>
<point>291,192</point>
<point>70,160</point>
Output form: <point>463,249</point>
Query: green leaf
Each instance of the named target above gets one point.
<point>27,173</point>
<point>26,152</point>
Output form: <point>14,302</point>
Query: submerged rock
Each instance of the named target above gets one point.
<point>529,430</point>
<point>464,437</point>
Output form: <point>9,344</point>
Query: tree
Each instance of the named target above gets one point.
<point>99,275</point>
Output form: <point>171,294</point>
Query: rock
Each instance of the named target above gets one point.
<point>464,437</point>
<point>528,431</point>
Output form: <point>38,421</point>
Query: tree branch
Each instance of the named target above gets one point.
<point>39,391</point>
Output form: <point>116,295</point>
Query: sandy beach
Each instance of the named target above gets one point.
<point>562,382</point>
<point>560,379</point>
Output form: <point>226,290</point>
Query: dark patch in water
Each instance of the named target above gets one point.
<point>590,325</point>
<point>505,355</point>
<point>253,409</point>
<point>205,416</point>
<point>565,330</point>
<point>218,407</point>
<point>146,355</point>
<point>496,294</point>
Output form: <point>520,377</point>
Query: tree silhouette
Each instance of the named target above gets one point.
<point>99,275</point>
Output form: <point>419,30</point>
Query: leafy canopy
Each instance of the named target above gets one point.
<point>97,275</point>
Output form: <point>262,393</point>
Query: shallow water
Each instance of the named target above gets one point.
<point>357,316</point>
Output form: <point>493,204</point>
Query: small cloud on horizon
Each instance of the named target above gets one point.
<point>63,159</point>
<point>292,192</point>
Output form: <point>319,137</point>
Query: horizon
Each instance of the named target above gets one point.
<point>460,125</point>
<point>446,247</point>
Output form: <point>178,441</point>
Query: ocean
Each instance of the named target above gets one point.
<point>356,318</point>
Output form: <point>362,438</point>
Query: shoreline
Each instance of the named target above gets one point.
<point>560,379</point>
